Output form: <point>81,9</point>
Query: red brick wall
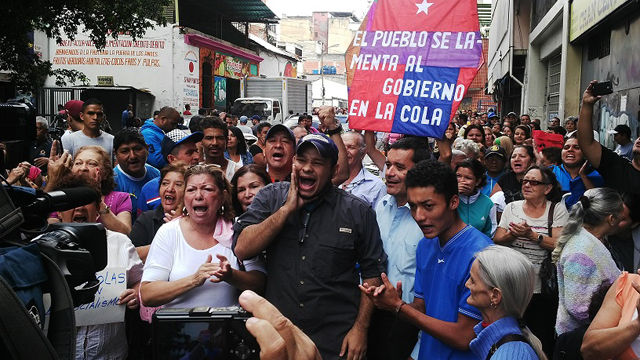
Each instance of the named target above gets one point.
<point>476,90</point>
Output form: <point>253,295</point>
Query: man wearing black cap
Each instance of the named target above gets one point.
<point>622,137</point>
<point>280,143</point>
<point>176,146</point>
<point>314,234</point>
<point>495,159</point>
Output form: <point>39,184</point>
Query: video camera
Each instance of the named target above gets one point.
<point>17,130</point>
<point>79,250</point>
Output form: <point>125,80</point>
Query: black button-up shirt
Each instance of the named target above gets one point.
<point>311,264</point>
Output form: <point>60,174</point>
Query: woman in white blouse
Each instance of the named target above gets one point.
<point>190,262</point>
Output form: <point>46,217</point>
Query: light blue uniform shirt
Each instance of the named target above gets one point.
<point>367,187</point>
<point>400,237</point>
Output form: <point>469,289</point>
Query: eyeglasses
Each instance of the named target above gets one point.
<point>533,182</point>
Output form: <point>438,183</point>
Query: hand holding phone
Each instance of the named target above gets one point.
<point>602,88</point>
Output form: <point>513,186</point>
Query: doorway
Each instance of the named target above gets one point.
<point>233,92</point>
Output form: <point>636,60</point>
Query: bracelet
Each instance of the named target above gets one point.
<point>337,130</point>
<point>400,307</point>
<point>106,210</point>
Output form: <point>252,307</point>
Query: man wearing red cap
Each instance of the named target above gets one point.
<point>74,122</point>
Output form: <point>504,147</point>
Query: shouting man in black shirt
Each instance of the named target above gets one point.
<point>314,234</point>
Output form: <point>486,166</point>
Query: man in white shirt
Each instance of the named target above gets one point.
<point>92,116</point>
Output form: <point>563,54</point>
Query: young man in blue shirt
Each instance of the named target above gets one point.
<point>444,258</point>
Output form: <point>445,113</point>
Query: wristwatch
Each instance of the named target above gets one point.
<point>106,209</point>
<point>540,238</point>
<point>337,130</point>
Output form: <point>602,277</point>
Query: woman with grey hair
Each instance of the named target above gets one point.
<point>469,147</point>
<point>501,285</point>
<point>584,263</point>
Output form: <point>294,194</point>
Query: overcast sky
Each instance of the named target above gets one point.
<point>306,7</point>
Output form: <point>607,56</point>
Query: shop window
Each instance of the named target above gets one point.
<point>599,46</point>
<point>276,108</point>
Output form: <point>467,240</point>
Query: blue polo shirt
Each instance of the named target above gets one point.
<point>574,186</point>
<point>440,277</point>
<point>133,186</point>
<point>149,198</point>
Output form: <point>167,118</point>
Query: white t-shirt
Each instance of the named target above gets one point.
<point>232,167</point>
<point>78,139</point>
<point>513,212</point>
<point>171,258</point>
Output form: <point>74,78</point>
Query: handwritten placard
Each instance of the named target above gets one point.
<point>105,309</point>
<point>545,140</point>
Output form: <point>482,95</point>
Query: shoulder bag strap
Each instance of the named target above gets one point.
<point>505,339</point>
<point>62,328</point>
<point>550,217</point>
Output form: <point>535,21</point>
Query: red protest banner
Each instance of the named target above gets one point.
<point>410,64</point>
<point>544,140</point>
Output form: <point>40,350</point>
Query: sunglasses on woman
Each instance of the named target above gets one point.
<point>533,182</point>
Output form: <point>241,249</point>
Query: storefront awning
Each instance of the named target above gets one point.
<point>202,41</point>
<point>245,11</point>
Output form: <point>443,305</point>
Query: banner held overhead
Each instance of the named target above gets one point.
<point>410,65</point>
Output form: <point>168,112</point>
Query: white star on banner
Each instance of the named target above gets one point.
<point>423,7</point>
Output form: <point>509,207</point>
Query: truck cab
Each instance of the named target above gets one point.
<point>267,108</point>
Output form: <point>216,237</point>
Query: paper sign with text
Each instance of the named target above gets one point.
<point>105,309</point>
<point>545,140</point>
<point>410,65</point>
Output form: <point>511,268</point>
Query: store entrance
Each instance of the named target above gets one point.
<point>233,92</point>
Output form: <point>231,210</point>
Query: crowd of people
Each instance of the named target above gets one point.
<point>475,246</point>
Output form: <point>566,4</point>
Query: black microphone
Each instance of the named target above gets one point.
<point>63,199</point>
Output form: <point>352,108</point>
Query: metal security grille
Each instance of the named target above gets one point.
<point>553,86</point>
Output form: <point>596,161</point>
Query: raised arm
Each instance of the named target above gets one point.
<point>444,146</point>
<point>376,155</point>
<point>326,114</point>
<point>589,146</point>
<point>606,338</point>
